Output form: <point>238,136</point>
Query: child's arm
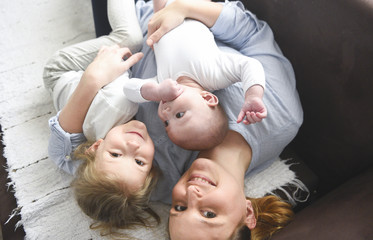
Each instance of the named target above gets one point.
<point>107,66</point>
<point>174,14</point>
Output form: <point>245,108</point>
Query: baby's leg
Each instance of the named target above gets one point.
<point>159,4</point>
<point>126,32</point>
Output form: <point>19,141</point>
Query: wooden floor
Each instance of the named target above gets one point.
<point>31,31</point>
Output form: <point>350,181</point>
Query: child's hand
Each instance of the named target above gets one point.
<point>169,90</point>
<point>109,64</point>
<point>253,110</point>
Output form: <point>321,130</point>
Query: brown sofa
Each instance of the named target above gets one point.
<point>330,44</point>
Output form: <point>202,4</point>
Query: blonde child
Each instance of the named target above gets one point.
<point>113,154</point>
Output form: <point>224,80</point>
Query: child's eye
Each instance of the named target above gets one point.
<point>141,163</point>
<point>179,208</point>
<point>179,114</point>
<point>208,214</point>
<point>115,155</point>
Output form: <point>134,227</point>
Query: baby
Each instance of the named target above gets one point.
<point>190,66</point>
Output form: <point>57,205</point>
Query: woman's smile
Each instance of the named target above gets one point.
<point>195,178</point>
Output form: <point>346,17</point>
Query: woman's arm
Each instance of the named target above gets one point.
<point>107,66</point>
<point>174,14</point>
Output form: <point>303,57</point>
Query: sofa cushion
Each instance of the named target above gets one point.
<point>343,214</point>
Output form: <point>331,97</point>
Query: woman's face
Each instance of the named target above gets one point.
<point>207,203</point>
<point>126,152</point>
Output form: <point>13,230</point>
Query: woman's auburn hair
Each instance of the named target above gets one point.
<point>102,197</point>
<point>271,214</point>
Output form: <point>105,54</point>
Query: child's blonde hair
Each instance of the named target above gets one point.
<point>271,214</point>
<point>103,198</point>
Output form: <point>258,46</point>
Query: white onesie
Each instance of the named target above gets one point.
<point>190,50</point>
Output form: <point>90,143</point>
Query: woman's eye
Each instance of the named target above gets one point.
<point>141,163</point>
<point>166,123</point>
<point>208,214</point>
<point>179,208</point>
<point>179,115</point>
<point>115,155</point>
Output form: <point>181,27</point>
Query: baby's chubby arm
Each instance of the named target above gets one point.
<point>167,90</point>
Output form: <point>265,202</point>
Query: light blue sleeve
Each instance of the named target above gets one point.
<point>238,28</point>
<point>61,146</point>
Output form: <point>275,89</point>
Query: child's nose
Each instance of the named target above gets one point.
<point>133,144</point>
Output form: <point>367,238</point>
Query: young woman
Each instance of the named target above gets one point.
<point>213,187</point>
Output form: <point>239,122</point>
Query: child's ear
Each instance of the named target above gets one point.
<point>211,99</point>
<point>250,220</point>
<point>93,147</point>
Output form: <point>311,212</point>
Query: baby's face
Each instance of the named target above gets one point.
<point>127,152</point>
<point>183,116</point>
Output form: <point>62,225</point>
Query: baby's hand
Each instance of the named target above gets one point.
<point>169,90</point>
<point>253,110</point>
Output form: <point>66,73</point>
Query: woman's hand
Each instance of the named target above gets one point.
<point>165,20</point>
<point>109,64</point>
<point>174,14</point>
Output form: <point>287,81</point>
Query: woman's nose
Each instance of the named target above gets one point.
<point>193,194</point>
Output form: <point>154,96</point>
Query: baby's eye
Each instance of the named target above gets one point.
<point>166,123</point>
<point>179,114</point>
<point>179,208</point>
<point>115,155</point>
<point>208,214</point>
<point>141,163</point>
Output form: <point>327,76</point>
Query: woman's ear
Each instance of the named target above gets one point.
<point>250,220</point>
<point>93,147</point>
<point>211,99</point>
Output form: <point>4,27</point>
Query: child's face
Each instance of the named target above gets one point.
<point>183,116</point>
<point>127,152</point>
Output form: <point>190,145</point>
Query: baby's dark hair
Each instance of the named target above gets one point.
<point>103,198</point>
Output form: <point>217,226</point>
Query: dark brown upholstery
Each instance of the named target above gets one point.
<point>330,44</point>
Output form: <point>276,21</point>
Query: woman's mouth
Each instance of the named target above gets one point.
<point>201,179</point>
